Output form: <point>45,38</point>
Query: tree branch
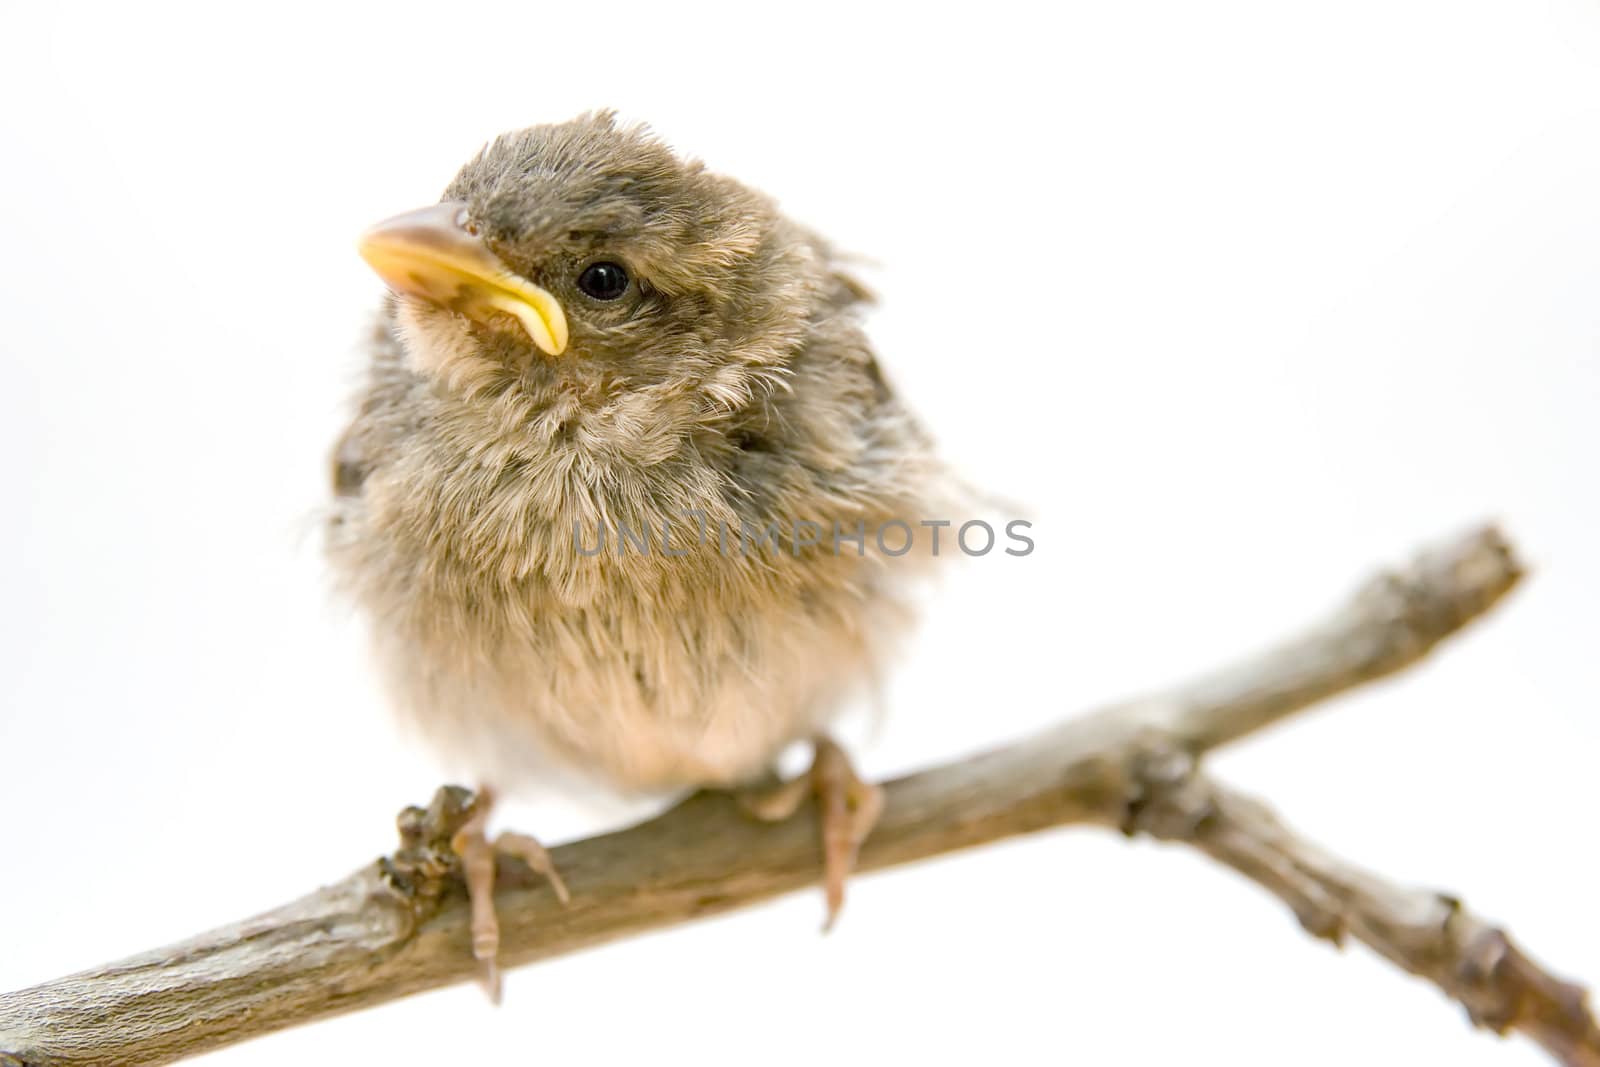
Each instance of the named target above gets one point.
<point>400,926</point>
<point>1431,935</point>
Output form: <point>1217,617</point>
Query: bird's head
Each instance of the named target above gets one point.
<point>587,252</point>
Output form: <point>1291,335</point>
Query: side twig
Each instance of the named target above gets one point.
<point>400,926</point>
<point>1429,934</point>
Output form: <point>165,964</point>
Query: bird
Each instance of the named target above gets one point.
<point>626,496</point>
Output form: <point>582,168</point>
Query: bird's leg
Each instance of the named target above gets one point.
<point>847,808</point>
<point>478,861</point>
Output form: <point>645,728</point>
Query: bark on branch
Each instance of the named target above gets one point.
<point>1429,934</point>
<point>399,926</point>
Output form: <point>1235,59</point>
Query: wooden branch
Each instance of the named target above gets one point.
<point>400,926</point>
<point>1429,934</point>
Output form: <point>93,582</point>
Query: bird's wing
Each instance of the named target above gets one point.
<point>383,413</point>
<point>349,465</point>
<point>846,290</point>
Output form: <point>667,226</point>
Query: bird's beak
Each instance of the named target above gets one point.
<point>432,254</point>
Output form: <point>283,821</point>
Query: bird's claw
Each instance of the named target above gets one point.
<point>479,860</point>
<point>847,807</point>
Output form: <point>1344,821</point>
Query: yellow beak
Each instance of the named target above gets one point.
<point>432,254</point>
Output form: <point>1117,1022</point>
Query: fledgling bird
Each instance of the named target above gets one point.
<point>590,337</point>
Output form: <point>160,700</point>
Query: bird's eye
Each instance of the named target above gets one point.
<point>603,281</point>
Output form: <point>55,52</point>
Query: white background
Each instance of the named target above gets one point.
<point>1242,299</point>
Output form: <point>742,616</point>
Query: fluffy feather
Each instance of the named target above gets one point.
<point>733,383</point>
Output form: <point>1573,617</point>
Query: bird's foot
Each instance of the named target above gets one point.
<point>847,808</point>
<point>479,858</point>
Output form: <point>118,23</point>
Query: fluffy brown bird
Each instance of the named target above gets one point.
<point>626,493</point>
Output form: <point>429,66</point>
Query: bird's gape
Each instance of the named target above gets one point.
<point>435,254</point>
